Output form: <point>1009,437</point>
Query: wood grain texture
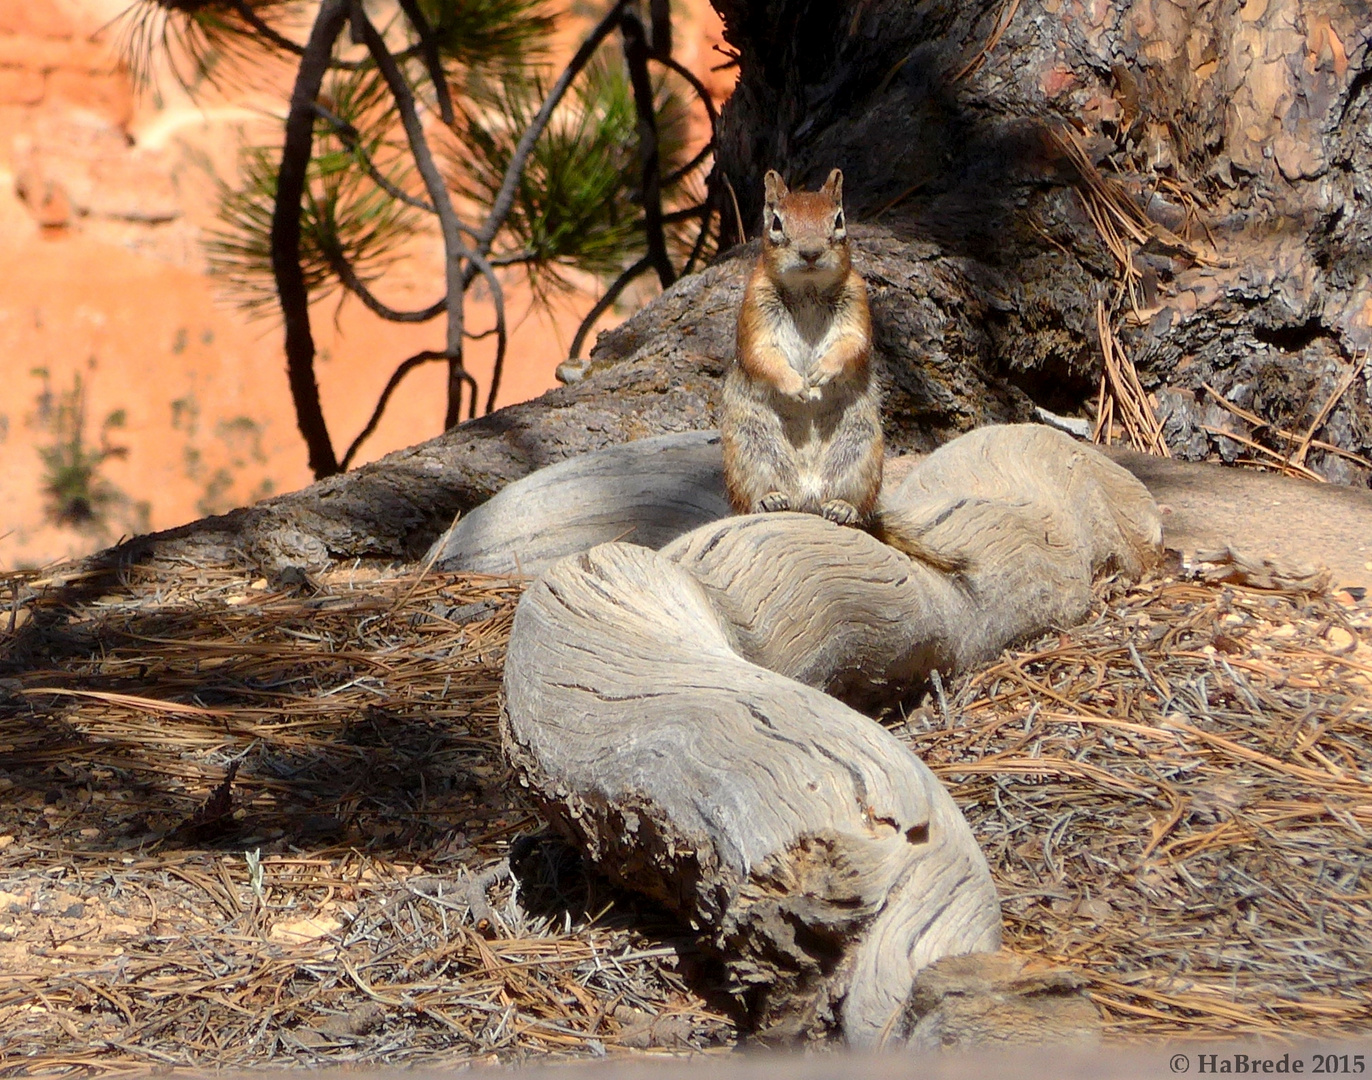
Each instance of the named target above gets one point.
<point>669,709</point>
<point>775,818</point>
<point>646,492</point>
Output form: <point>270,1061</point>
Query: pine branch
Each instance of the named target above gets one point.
<point>603,304</point>
<point>282,42</point>
<point>265,29</point>
<point>690,166</point>
<point>501,337</point>
<point>433,61</point>
<point>636,55</point>
<point>687,214</point>
<point>456,251</point>
<point>707,215</point>
<point>285,235</point>
<point>351,139</point>
<point>504,200</point>
<point>391,384</point>
<point>514,258</point>
<point>660,19</point>
<point>696,85</point>
<point>438,195</point>
<point>355,285</point>
<point>710,111</point>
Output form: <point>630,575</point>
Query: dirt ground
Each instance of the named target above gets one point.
<point>1295,522</point>
<point>243,825</point>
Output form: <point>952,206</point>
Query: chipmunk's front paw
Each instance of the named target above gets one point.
<point>791,383</point>
<point>840,512</point>
<point>772,502</point>
<point>821,377</point>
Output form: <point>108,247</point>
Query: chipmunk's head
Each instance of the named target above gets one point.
<point>804,235</point>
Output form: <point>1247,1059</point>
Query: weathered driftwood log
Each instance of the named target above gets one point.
<point>666,707</point>
<point>1035,517</point>
<point>647,492</point>
<point>770,815</point>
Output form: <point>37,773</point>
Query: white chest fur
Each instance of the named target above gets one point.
<point>804,335</point>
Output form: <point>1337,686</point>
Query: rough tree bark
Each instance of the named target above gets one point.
<point>1240,131</point>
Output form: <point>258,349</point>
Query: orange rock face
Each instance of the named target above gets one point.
<point>133,396</point>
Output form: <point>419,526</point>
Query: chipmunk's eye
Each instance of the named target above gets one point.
<point>838,221</point>
<point>776,224</point>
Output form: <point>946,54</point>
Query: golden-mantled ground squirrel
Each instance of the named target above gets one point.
<point>802,402</point>
<point>802,406</point>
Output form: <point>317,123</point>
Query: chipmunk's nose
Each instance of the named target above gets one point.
<point>811,255</point>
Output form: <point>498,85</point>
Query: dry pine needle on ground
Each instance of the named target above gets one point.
<point>242,823</point>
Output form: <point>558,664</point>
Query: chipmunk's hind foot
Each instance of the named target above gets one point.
<point>772,502</point>
<point>841,512</point>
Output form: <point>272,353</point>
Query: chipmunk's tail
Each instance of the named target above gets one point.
<point>908,536</point>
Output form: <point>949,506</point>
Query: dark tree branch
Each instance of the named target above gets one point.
<point>461,263</point>
<point>428,44</point>
<point>355,285</point>
<point>603,304</point>
<point>454,250</point>
<point>265,29</point>
<point>478,264</point>
<point>504,199</point>
<point>285,236</point>
<point>707,216</point>
<point>696,85</point>
<point>636,55</point>
<point>352,140</point>
<point>710,111</point>
<point>275,37</point>
<point>660,16</point>
<point>514,258</point>
<point>394,381</point>
<point>690,166</point>
<point>501,336</point>
<point>686,214</point>
<point>458,277</point>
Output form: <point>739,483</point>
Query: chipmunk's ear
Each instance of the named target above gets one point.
<point>775,187</point>
<point>833,187</point>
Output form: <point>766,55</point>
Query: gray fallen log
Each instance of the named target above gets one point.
<point>651,491</point>
<point>1036,516</point>
<point>647,492</point>
<point>667,709</point>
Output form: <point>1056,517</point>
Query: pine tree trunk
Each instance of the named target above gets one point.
<point>1227,147</point>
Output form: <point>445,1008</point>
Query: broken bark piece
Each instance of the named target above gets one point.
<point>666,707</point>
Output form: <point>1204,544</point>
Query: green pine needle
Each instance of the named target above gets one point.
<point>576,206</point>
<point>201,39</point>
<point>344,214</point>
<point>490,34</point>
